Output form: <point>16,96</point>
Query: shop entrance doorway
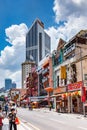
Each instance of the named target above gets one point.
<point>74,105</point>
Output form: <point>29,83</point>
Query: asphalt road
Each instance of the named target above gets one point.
<point>45,120</point>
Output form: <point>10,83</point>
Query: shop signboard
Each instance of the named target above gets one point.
<point>78,86</point>
<point>75,86</point>
<point>59,90</point>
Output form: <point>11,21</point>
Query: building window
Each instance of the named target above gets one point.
<point>40,46</point>
<point>57,81</point>
<point>85,76</point>
<point>73,73</point>
<point>47,41</point>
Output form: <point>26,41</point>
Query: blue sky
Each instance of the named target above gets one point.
<point>24,11</point>
<point>62,19</point>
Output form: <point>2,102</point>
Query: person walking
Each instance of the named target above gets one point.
<point>58,108</point>
<point>1,118</point>
<point>14,107</point>
<point>6,109</point>
<point>50,106</point>
<point>12,117</point>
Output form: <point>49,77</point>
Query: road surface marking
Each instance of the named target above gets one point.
<point>83,128</point>
<point>62,122</point>
<point>31,125</point>
<point>25,126</point>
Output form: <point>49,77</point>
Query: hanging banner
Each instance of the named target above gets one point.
<point>83,97</point>
<point>63,72</point>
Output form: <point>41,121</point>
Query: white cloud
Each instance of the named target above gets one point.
<point>17,77</point>
<point>53,33</point>
<point>12,56</point>
<point>15,33</point>
<point>73,15</point>
<point>3,74</point>
<point>68,8</point>
<point>78,2</point>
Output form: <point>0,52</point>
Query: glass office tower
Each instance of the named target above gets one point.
<point>37,42</point>
<point>8,84</point>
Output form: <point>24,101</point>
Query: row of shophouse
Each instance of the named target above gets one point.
<point>62,75</point>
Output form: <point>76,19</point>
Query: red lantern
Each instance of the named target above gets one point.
<point>69,94</point>
<point>76,93</point>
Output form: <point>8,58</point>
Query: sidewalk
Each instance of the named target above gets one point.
<point>22,126</point>
<point>63,114</point>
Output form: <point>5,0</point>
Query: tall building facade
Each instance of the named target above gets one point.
<point>13,85</point>
<point>26,69</point>
<point>8,84</point>
<point>37,42</point>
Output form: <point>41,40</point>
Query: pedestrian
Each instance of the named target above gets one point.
<point>50,106</point>
<point>58,108</point>
<point>1,118</point>
<point>30,107</point>
<point>6,109</point>
<point>14,106</point>
<point>12,117</point>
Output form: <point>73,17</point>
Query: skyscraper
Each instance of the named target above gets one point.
<point>37,42</point>
<point>14,85</point>
<point>8,84</point>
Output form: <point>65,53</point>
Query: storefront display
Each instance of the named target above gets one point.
<point>74,97</point>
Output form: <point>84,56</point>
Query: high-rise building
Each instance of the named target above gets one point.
<point>37,42</point>
<point>26,69</point>
<point>8,84</point>
<point>13,85</point>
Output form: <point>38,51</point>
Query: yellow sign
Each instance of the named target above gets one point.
<point>63,72</point>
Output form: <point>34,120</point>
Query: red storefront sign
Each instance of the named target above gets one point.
<point>75,86</point>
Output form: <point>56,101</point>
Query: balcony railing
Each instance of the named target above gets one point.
<point>69,49</point>
<point>44,80</point>
<point>45,71</point>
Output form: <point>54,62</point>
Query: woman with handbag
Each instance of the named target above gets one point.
<point>12,118</point>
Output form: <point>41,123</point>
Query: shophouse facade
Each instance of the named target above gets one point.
<point>68,74</point>
<point>16,95</point>
<point>59,84</point>
<point>32,83</point>
<point>47,80</point>
<point>74,89</point>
